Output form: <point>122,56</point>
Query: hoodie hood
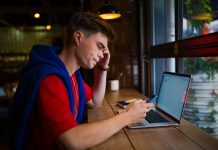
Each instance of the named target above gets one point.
<point>45,55</point>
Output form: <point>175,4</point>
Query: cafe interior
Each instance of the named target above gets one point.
<point>153,36</point>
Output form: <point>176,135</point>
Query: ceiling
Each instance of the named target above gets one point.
<point>19,13</point>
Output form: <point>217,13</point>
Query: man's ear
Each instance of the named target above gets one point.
<point>77,37</point>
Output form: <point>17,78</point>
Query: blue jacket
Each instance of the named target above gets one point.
<point>43,61</point>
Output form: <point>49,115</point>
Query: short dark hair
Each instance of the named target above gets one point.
<point>89,23</point>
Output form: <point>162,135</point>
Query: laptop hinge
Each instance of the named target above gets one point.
<point>168,115</point>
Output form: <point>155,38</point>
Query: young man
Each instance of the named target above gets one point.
<point>48,108</point>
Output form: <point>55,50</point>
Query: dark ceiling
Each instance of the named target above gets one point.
<point>19,13</point>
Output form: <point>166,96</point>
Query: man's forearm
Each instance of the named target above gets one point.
<point>88,135</point>
<point>99,88</point>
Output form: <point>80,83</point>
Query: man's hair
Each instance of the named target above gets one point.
<point>89,23</point>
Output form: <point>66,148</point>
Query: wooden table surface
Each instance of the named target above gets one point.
<point>183,137</point>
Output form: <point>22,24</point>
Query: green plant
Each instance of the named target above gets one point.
<point>211,103</point>
<point>207,129</point>
<point>198,10</point>
<point>207,65</point>
<point>199,13</point>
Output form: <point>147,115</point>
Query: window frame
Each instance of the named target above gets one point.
<point>200,46</point>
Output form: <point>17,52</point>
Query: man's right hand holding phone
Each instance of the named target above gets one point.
<point>137,110</point>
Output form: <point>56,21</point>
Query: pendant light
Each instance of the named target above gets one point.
<point>109,11</point>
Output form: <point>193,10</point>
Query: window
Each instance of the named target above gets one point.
<point>182,43</point>
<point>199,17</point>
<point>163,13</point>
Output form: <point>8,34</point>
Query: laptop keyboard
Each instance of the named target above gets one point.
<point>153,117</point>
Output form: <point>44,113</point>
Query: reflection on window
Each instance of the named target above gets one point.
<point>202,103</point>
<point>199,17</point>
<point>159,66</point>
<point>164,21</point>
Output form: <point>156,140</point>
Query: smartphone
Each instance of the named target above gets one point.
<point>122,103</point>
<point>152,99</point>
<point>125,103</point>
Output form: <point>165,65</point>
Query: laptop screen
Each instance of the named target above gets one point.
<point>172,93</point>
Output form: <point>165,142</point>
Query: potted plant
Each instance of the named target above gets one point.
<point>198,13</point>
<point>207,65</point>
<point>202,102</point>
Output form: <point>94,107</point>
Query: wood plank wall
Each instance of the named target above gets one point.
<point>124,51</point>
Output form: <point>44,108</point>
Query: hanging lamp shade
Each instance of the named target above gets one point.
<point>109,11</point>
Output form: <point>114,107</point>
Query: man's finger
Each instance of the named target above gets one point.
<point>150,104</point>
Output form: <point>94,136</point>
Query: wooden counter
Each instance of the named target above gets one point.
<point>184,137</point>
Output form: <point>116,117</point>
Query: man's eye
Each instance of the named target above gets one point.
<point>100,46</point>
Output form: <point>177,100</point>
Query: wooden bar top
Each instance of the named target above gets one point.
<point>186,136</point>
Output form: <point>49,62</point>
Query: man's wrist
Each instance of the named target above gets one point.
<point>103,68</point>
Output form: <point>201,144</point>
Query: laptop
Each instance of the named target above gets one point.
<point>170,102</point>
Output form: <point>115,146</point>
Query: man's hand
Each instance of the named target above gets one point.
<point>137,110</point>
<point>104,62</point>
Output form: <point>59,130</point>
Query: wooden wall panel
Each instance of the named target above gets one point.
<point>124,50</point>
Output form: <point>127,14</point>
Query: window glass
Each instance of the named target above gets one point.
<point>163,21</point>
<point>199,17</point>
<point>163,27</point>
<point>159,66</point>
<point>202,101</point>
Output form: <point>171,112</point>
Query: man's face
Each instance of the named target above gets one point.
<point>91,49</point>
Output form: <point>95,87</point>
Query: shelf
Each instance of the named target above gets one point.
<point>11,64</point>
